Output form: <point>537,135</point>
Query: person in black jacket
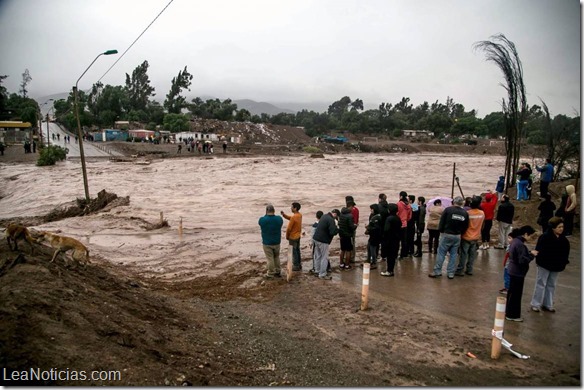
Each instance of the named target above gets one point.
<point>346,229</point>
<point>374,230</point>
<point>420,226</point>
<point>453,223</point>
<point>546,211</point>
<point>553,252</point>
<point>505,214</point>
<point>517,266</point>
<point>323,236</point>
<point>392,235</point>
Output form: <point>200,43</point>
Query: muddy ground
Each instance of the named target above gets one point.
<point>226,330</point>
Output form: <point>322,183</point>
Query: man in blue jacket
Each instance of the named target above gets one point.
<point>271,226</point>
<point>547,175</point>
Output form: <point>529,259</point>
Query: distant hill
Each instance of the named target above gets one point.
<point>256,108</point>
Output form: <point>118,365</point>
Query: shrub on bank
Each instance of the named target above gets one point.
<point>312,149</point>
<point>51,154</point>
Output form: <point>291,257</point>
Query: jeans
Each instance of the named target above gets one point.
<point>273,258</point>
<point>522,189</point>
<point>545,286</point>
<point>449,243</point>
<point>372,253</point>
<point>504,230</point>
<point>506,278</point>
<point>468,255</point>
<point>321,251</point>
<point>296,261</point>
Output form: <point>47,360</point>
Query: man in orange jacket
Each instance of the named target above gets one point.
<point>293,233</point>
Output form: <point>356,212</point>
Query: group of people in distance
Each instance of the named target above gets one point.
<point>457,228</point>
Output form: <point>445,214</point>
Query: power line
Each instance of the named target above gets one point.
<point>124,53</point>
<point>136,40</point>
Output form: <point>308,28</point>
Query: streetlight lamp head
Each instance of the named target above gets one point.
<point>114,51</point>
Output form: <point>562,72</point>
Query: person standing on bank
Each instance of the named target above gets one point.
<point>271,227</point>
<point>323,236</point>
<point>351,205</point>
<point>547,175</point>
<point>505,214</point>
<point>421,225</point>
<point>517,266</point>
<point>553,250</point>
<point>546,211</point>
<point>346,230</point>
<point>293,233</point>
<point>434,214</point>
<point>570,210</point>
<point>453,224</point>
<point>524,173</point>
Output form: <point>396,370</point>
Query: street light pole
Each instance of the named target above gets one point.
<point>41,121</point>
<point>80,135</point>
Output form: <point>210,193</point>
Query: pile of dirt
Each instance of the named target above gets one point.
<point>105,201</point>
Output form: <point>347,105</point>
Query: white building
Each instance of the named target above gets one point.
<point>418,133</point>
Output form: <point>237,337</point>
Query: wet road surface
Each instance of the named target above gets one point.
<point>90,149</point>
<point>472,299</point>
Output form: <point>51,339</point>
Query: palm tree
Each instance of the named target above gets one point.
<point>503,53</point>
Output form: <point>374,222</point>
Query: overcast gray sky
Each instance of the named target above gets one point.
<point>299,50</point>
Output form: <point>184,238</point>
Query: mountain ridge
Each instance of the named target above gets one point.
<point>253,106</point>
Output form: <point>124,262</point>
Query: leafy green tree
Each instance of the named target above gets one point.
<point>243,115</point>
<point>138,88</point>
<point>495,124</point>
<point>110,105</point>
<point>176,123</point>
<point>174,102</point>
<point>155,112</point>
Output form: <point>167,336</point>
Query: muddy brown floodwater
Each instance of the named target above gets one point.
<point>220,200</point>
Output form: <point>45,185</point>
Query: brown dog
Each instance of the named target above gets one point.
<point>63,244</point>
<point>17,232</point>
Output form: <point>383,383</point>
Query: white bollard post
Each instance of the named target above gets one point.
<point>498,327</point>
<point>365,289</point>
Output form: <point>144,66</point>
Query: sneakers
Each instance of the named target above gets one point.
<point>469,273</point>
<point>503,291</point>
<point>347,267</point>
<point>373,266</point>
<point>297,268</point>
<point>550,309</point>
<point>459,273</point>
<point>342,266</point>
<point>498,246</point>
<point>386,273</point>
<point>535,308</point>
<point>482,246</point>
<point>434,275</point>
<point>450,276</point>
<point>418,254</point>
<point>514,319</point>
<point>327,277</point>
